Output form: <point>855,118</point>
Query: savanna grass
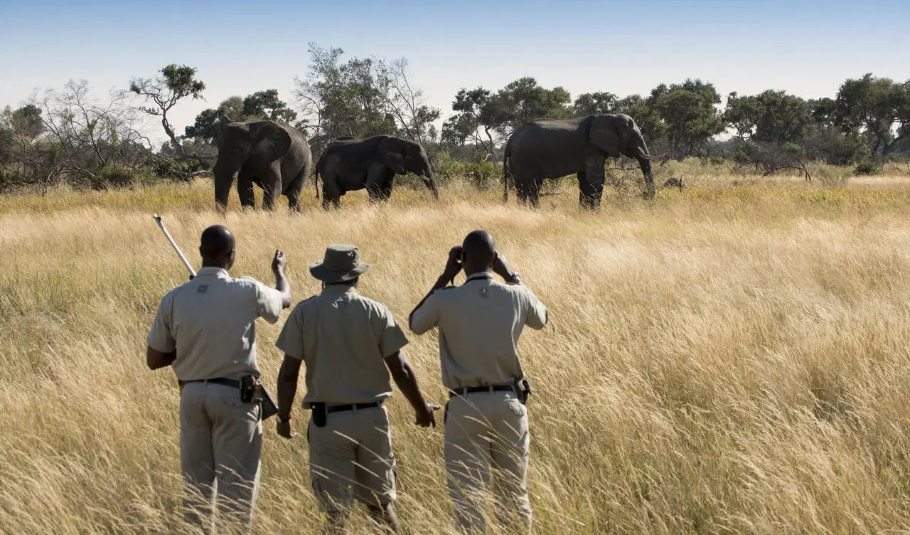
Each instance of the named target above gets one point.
<point>728,359</point>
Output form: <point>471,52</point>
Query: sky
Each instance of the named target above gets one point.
<point>807,47</point>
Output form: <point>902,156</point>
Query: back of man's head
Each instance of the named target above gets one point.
<point>217,247</point>
<point>479,252</point>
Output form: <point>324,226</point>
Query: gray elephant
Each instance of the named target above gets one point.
<point>350,164</point>
<point>272,155</point>
<point>550,148</point>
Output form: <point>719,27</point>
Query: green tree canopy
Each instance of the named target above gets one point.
<point>687,113</point>
<point>769,117</point>
<point>261,105</point>
<point>879,107</point>
<point>25,121</point>
<point>502,113</point>
<point>597,103</point>
<point>162,93</point>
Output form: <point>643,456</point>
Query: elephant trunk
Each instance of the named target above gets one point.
<point>645,163</point>
<point>431,184</point>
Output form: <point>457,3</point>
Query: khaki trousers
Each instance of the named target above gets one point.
<point>351,458</point>
<point>220,449</point>
<point>488,432</point>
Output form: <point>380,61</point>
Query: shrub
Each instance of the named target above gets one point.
<point>829,176</point>
<point>866,168</point>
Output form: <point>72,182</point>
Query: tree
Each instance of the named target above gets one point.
<point>85,135</point>
<point>362,97</point>
<point>472,114</point>
<point>261,105</point>
<point>523,101</point>
<point>502,113</point>
<point>687,113</point>
<point>406,103</point>
<point>25,121</point>
<point>880,107</point>
<point>769,117</point>
<point>265,105</point>
<point>597,103</point>
<point>165,91</point>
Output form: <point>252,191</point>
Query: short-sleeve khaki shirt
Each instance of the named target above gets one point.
<point>343,339</point>
<point>479,326</point>
<point>211,323</point>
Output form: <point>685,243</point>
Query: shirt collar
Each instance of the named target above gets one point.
<point>221,273</point>
<point>479,276</point>
<point>339,288</point>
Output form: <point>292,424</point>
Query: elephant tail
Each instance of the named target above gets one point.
<point>506,161</point>
<point>316,181</point>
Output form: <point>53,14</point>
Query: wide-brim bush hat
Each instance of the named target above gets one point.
<point>341,264</point>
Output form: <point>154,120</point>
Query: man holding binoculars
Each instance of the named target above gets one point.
<point>486,419</point>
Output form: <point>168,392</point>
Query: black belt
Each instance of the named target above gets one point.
<point>351,406</point>
<point>465,390</point>
<point>218,381</point>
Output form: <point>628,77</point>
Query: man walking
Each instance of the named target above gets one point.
<point>486,417</point>
<point>206,330</point>
<point>349,344</point>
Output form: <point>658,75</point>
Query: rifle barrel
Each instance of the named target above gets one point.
<point>174,245</point>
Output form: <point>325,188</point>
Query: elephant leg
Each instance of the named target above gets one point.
<point>294,200</point>
<point>585,191</point>
<point>593,188</point>
<point>385,192</point>
<point>245,189</point>
<point>293,191</point>
<point>271,186</point>
<point>331,192</point>
<point>534,192</point>
<point>521,191</point>
<point>376,177</point>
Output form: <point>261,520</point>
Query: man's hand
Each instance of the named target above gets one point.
<point>426,418</point>
<point>284,428</point>
<point>280,262</point>
<point>501,267</point>
<point>453,265</point>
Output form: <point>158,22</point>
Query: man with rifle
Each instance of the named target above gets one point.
<point>205,330</point>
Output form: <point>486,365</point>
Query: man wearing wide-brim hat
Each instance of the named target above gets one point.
<point>349,344</point>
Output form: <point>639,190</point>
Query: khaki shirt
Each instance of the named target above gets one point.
<point>479,325</point>
<point>210,322</point>
<point>343,339</point>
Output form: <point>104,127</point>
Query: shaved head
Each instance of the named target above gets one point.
<point>217,247</point>
<point>479,252</point>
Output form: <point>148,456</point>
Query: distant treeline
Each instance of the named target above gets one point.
<point>75,136</point>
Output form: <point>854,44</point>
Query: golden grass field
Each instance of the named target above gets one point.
<point>728,359</point>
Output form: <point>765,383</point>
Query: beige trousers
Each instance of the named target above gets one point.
<point>488,433</point>
<point>351,458</point>
<point>220,449</point>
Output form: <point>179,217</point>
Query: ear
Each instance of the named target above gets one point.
<point>603,135</point>
<point>389,153</point>
<point>271,142</point>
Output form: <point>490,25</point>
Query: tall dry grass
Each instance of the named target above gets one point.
<point>730,359</point>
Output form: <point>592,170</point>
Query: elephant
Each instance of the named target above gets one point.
<point>273,155</point>
<point>350,164</point>
<point>550,148</point>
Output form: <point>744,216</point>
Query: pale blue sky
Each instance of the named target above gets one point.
<point>808,47</point>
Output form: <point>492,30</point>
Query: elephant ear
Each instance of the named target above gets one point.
<point>390,154</point>
<point>603,135</point>
<point>272,142</point>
